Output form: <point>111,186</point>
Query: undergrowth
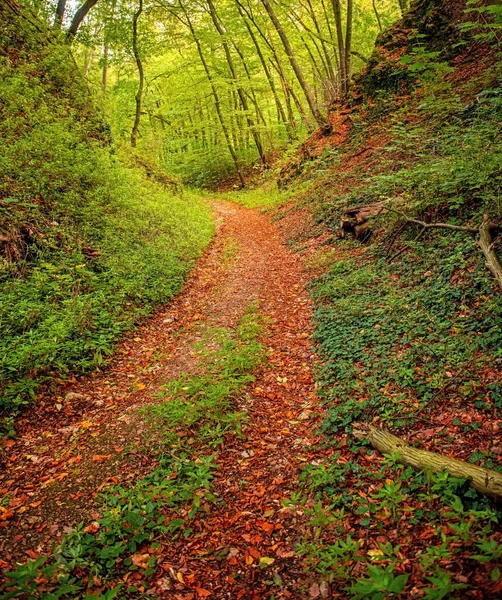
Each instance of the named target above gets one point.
<point>408,330</point>
<point>87,247</point>
<point>187,427</point>
<point>267,195</point>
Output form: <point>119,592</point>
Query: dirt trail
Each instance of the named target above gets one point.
<point>73,445</point>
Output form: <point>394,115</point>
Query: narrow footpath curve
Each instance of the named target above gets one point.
<point>73,445</point>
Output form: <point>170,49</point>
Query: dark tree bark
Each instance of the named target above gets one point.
<point>403,5</point>
<point>139,65</point>
<point>60,10</point>
<point>79,17</point>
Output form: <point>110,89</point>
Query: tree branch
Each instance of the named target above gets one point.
<point>483,480</point>
<point>485,240</point>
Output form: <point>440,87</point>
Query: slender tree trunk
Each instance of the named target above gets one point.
<point>79,17</point>
<point>60,10</point>
<point>337,12</point>
<point>321,120</point>
<point>323,43</point>
<point>348,43</point>
<point>233,73</point>
<point>216,97</point>
<point>252,95</point>
<point>377,15</point>
<point>268,75</point>
<point>139,65</point>
<point>106,48</point>
<point>403,5</point>
<point>88,62</point>
<point>277,65</point>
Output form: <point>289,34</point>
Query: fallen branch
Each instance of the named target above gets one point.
<point>485,240</point>
<point>486,244</point>
<point>485,481</point>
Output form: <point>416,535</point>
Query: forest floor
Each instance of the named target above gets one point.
<point>94,435</point>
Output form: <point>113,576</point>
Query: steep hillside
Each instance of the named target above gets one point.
<point>87,246</point>
<point>408,318</point>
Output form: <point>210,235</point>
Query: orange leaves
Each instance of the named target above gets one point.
<point>5,513</point>
<point>268,528</point>
<point>92,528</point>
<point>99,458</point>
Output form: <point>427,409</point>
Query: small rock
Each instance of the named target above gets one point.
<point>325,591</point>
<point>314,591</point>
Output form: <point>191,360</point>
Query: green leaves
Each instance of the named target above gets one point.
<point>380,582</point>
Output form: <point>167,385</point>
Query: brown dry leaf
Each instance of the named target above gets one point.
<point>99,458</point>
<point>140,560</point>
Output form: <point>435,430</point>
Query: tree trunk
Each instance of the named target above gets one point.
<point>486,245</point>
<point>60,10</point>
<point>106,48</point>
<point>348,44</point>
<point>233,73</point>
<point>79,17</point>
<point>323,43</point>
<point>216,97</point>
<point>485,481</point>
<point>268,75</point>
<point>322,121</point>
<point>139,65</point>
<point>403,5</point>
<point>337,12</point>
<point>377,15</point>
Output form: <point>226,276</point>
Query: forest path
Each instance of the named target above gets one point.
<point>71,447</point>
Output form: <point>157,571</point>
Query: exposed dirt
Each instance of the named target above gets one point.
<point>72,446</point>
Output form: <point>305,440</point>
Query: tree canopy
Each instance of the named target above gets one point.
<point>208,88</point>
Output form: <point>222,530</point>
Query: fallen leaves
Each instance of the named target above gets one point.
<point>235,546</point>
<point>141,561</point>
<point>99,458</point>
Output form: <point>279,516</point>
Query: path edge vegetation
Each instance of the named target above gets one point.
<point>187,428</point>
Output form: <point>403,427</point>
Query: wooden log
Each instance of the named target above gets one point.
<point>486,245</point>
<point>485,481</point>
<point>362,232</point>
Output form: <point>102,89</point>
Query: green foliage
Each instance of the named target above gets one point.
<point>380,583</point>
<point>267,195</point>
<point>201,404</point>
<point>389,350</point>
<point>88,246</point>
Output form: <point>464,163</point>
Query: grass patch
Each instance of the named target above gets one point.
<point>267,195</point>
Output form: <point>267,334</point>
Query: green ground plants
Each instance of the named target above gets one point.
<point>267,195</point>
<point>408,329</point>
<point>187,427</point>
<point>88,246</point>
<point>389,350</point>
